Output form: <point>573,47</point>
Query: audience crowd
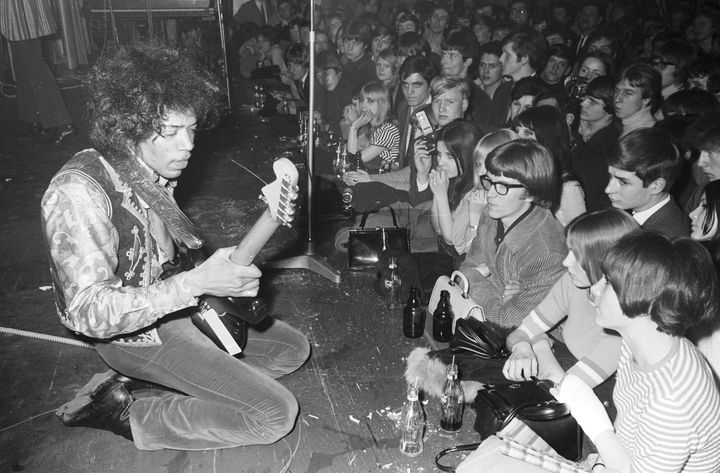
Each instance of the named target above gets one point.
<point>561,155</point>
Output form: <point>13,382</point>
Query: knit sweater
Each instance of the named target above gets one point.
<point>597,350</point>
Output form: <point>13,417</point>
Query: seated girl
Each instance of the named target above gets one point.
<point>452,180</point>
<point>372,134</point>
<point>704,224</point>
<point>651,293</point>
<point>547,126</point>
<point>455,218</point>
<point>594,352</point>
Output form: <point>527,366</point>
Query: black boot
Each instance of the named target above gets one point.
<point>104,403</point>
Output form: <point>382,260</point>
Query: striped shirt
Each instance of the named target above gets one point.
<point>22,20</point>
<point>597,351</point>
<point>387,137</point>
<point>669,414</point>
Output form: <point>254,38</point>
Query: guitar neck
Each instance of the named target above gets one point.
<point>255,239</point>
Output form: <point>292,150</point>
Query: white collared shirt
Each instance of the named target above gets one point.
<point>642,216</point>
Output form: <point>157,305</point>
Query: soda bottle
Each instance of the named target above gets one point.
<point>412,424</point>
<point>414,315</point>
<point>443,319</point>
<point>392,283</point>
<point>452,401</point>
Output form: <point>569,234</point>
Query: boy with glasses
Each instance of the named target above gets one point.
<point>517,254</point>
<point>671,59</point>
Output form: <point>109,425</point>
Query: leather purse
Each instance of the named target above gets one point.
<point>366,245</point>
<point>461,303</point>
<point>531,402</point>
<point>478,338</point>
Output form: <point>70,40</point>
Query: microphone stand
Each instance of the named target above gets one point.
<point>308,259</point>
<point>223,49</point>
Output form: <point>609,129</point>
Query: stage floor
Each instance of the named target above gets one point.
<point>350,391</point>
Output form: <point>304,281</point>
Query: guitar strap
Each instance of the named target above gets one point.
<point>156,196</point>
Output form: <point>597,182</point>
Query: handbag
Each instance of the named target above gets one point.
<point>478,338</point>
<point>366,245</point>
<point>530,401</point>
<point>461,303</point>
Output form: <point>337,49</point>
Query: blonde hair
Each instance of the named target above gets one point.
<point>378,92</point>
<point>488,143</point>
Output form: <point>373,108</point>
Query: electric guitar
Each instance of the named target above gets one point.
<point>224,319</point>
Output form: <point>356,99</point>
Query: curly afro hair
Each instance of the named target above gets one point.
<point>132,90</point>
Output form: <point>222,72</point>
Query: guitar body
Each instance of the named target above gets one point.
<point>233,313</point>
<point>224,319</point>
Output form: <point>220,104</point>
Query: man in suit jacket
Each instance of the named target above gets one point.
<point>259,12</point>
<point>642,168</point>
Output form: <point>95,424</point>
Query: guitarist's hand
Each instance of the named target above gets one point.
<point>218,276</point>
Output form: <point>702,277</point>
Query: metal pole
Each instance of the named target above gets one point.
<point>223,48</point>
<point>311,128</point>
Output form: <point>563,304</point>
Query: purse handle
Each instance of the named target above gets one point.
<point>463,279</point>
<point>375,209</point>
<point>456,448</point>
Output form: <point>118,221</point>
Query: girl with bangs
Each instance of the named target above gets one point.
<point>652,292</point>
<point>373,135</point>
<point>547,126</point>
<point>560,335</point>
<point>456,210</point>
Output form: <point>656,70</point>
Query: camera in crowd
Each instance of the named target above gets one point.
<point>576,87</point>
<point>426,132</point>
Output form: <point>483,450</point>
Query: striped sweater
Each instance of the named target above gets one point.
<point>597,350</point>
<point>531,254</point>
<point>669,414</point>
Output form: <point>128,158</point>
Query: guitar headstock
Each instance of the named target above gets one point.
<point>280,194</point>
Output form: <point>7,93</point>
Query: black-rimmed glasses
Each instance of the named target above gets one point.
<point>502,188</point>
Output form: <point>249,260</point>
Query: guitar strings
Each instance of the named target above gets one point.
<point>252,173</point>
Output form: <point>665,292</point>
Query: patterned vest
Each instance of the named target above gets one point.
<point>135,246</point>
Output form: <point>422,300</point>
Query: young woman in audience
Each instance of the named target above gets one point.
<point>651,293</point>
<point>704,228</point>
<point>596,133</point>
<point>457,197</point>
<point>372,134</point>
<point>589,67</point>
<point>594,352</point>
<point>546,125</point>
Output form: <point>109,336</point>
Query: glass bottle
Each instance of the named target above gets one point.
<point>443,319</point>
<point>414,315</point>
<point>412,424</point>
<point>392,281</point>
<point>452,402</point>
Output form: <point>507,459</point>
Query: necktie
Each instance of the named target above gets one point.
<point>263,17</point>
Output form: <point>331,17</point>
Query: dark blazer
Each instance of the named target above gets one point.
<point>500,104</point>
<point>669,220</point>
<point>588,164</point>
<point>249,12</point>
<point>479,109</point>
